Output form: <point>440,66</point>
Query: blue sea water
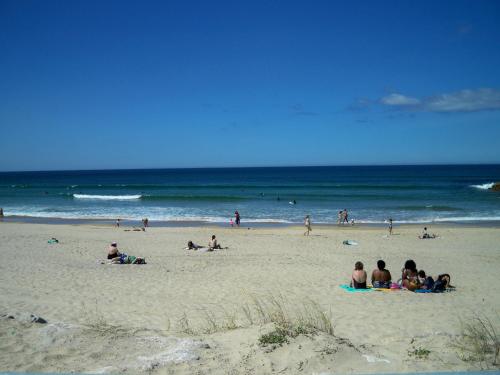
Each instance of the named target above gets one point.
<point>408,194</point>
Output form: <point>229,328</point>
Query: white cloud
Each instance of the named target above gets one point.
<point>460,101</point>
<point>399,100</point>
<point>464,101</point>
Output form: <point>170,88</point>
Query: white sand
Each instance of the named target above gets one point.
<point>108,318</point>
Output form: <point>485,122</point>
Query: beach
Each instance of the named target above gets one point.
<point>191,311</point>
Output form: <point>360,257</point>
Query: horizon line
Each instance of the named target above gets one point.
<point>253,167</point>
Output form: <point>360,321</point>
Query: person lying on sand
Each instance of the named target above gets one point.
<point>437,284</point>
<point>192,246</point>
<point>135,230</point>
<point>426,235</point>
<point>358,276</point>
<point>126,259</point>
<point>381,278</point>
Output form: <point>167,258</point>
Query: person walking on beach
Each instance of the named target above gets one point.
<point>340,218</point>
<point>390,226</point>
<point>118,223</point>
<point>237,218</point>
<point>145,222</point>
<point>307,223</point>
<point>345,215</point>
<point>1,212</point>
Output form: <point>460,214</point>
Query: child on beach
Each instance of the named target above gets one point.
<point>231,222</point>
<point>358,278</point>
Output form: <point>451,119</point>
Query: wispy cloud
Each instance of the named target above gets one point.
<point>399,100</point>
<point>485,99</point>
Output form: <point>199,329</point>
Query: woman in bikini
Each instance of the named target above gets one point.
<point>358,278</point>
<point>409,278</point>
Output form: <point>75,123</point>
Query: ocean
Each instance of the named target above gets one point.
<point>371,194</point>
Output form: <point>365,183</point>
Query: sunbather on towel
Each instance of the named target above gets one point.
<point>381,278</point>
<point>358,276</point>
<point>409,277</point>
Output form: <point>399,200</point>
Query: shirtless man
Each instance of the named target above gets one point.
<point>381,278</point>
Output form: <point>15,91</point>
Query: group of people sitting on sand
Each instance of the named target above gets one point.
<point>411,278</point>
<point>212,245</point>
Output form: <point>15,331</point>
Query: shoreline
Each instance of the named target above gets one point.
<point>250,224</point>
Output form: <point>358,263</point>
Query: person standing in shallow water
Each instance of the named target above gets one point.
<point>237,218</point>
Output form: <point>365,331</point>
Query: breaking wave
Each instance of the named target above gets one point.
<point>107,197</point>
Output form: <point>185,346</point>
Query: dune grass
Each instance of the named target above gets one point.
<point>289,318</point>
<point>479,340</point>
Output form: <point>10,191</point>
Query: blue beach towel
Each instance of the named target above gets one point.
<point>350,289</point>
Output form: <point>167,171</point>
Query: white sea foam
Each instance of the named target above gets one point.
<point>179,215</point>
<point>484,186</point>
<point>107,197</point>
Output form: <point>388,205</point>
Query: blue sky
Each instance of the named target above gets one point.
<point>117,84</point>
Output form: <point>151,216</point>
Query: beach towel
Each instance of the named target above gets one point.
<point>350,289</point>
<point>350,243</point>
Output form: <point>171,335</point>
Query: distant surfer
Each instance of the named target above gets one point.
<point>293,202</point>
